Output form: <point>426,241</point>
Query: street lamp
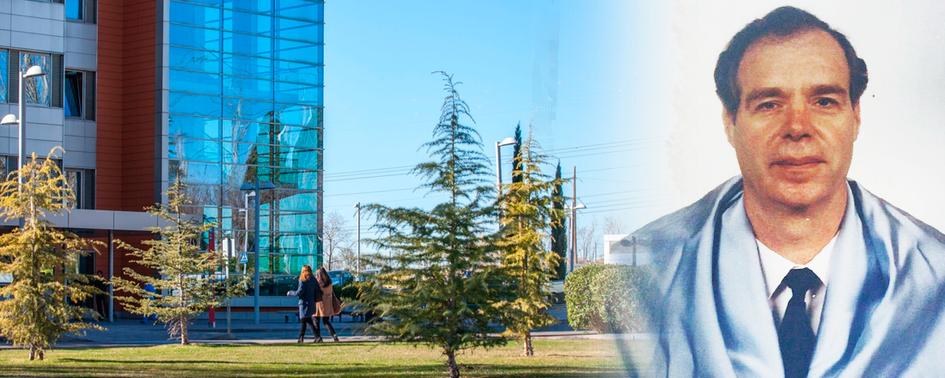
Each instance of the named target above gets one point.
<point>571,258</point>
<point>254,188</point>
<point>10,119</point>
<point>498,161</point>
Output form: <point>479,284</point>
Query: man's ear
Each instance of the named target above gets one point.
<point>729,121</point>
<point>856,120</point>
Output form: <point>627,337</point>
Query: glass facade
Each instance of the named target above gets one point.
<point>244,108</point>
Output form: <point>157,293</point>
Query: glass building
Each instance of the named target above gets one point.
<point>242,84</point>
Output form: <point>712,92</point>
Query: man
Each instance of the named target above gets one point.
<point>792,269</point>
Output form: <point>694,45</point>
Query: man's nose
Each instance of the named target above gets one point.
<point>798,123</point>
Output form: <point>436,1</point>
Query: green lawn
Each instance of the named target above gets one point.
<point>553,358</point>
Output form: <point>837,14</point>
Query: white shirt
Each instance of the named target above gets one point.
<point>775,267</point>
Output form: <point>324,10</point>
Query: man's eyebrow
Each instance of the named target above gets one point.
<point>825,89</point>
<point>763,93</point>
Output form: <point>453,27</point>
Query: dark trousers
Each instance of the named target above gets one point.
<point>327,321</point>
<point>307,320</point>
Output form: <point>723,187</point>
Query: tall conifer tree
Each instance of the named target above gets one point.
<point>559,234</point>
<point>443,280</point>
<point>43,301</point>
<point>528,216</point>
<point>185,284</point>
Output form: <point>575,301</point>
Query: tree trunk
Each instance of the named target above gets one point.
<point>451,364</point>
<point>527,343</point>
<point>184,338</point>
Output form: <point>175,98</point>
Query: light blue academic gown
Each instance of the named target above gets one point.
<point>882,314</point>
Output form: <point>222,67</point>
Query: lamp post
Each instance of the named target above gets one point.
<point>9,119</point>
<point>498,162</point>
<point>357,207</point>
<point>255,187</point>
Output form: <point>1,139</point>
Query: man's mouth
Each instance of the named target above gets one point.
<point>797,162</point>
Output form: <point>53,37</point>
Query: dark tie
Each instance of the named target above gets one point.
<point>795,334</point>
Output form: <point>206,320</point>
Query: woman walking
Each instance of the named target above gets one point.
<point>325,309</point>
<point>309,294</point>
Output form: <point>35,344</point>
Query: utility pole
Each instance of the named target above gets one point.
<point>358,212</point>
<point>571,258</point>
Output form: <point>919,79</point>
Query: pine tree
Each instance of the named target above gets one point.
<point>559,235</point>
<point>42,302</point>
<point>443,280</point>
<point>185,284</point>
<point>528,215</point>
<point>517,155</point>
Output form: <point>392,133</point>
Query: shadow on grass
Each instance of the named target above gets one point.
<point>310,370</point>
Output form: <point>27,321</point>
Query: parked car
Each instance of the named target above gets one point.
<point>340,278</point>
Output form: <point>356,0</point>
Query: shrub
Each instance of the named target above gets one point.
<point>607,298</point>
<point>578,296</point>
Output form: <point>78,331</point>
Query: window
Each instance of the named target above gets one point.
<point>79,95</point>
<point>4,74</point>
<point>43,90</point>
<point>82,182</point>
<point>80,10</point>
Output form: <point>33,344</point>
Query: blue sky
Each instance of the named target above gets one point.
<point>576,70</point>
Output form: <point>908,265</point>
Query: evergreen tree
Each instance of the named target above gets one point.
<point>517,155</point>
<point>528,216</point>
<point>42,302</point>
<point>443,280</point>
<point>185,284</point>
<point>559,234</point>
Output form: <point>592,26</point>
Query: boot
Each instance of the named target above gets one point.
<point>301,339</point>
<point>333,337</point>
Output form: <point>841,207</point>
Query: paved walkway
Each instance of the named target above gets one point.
<point>242,331</point>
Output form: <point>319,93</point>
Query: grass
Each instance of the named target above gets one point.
<point>553,358</point>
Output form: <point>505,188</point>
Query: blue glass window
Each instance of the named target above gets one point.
<point>299,30</point>
<point>247,22</point>
<point>249,5</point>
<point>208,106</point>
<point>72,104</point>
<point>195,82</point>
<point>193,127</point>
<point>299,72</point>
<point>301,9</point>
<point>194,60</point>
<point>298,51</point>
<point>291,93</point>
<point>301,115</point>
<point>207,39</point>
<point>240,130</point>
<point>239,108</point>
<point>180,148</point>
<point>250,88</point>
<point>247,44</point>
<point>4,74</point>
<point>193,14</point>
<point>73,9</point>
<point>36,89</point>
<point>242,65</point>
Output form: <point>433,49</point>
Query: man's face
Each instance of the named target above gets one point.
<point>794,129</point>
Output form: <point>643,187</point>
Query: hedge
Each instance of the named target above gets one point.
<point>607,298</point>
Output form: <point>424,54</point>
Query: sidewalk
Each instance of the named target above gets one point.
<point>243,331</point>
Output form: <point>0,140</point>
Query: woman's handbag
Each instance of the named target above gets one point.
<point>335,305</point>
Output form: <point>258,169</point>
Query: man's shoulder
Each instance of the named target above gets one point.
<point>884,218</point>
<point>684,223</point>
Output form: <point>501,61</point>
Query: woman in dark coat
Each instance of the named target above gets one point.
<point>308,293</point>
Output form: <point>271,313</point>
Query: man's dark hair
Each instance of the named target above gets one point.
<point>781,22</point>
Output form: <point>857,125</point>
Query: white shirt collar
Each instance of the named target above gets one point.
<point>776,267</point>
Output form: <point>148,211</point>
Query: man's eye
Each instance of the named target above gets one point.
<point>765,106</point>
<point>826,101</point>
